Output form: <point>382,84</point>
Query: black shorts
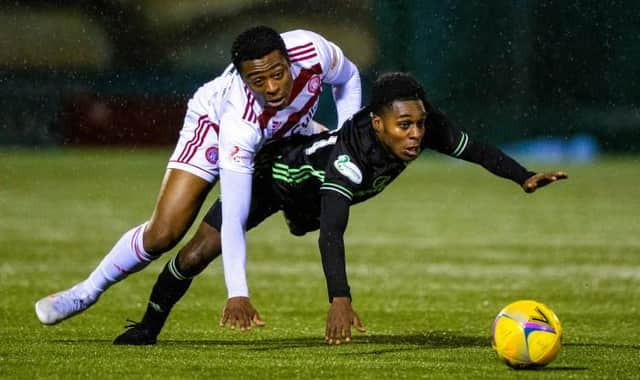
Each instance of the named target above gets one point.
<point>263,203</point>
<point>299,224</point>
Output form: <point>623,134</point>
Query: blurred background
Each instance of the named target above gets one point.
<point>557,79</point>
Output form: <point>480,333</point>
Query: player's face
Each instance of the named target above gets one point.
<point>269,79</point>
<point>401,128</point>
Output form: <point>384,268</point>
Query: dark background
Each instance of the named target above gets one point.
<point>120,72</point>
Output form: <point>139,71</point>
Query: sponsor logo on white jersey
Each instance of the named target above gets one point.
<point>240,156</point>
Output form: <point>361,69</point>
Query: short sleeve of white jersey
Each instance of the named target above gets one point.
<point>199,103</point>
<point>209,98</point>
<point>239,142</point>
<point>331,57</point>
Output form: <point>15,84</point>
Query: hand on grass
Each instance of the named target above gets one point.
<point>542,179</point>
<point>240,312</point>
<point>339,321</point>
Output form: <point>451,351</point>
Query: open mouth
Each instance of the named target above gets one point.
<point>276,103</point>
<point>412,151</point>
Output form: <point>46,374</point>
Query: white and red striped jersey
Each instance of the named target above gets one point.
<point>225,126</point>
<point>243,125</point>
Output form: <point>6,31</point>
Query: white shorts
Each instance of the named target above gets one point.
<point>197,148</point>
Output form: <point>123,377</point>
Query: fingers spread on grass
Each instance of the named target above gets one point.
<point>358,325</point>
<point>224,319</point>
<point>257,321</point>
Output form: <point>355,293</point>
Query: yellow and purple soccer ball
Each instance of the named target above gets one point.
<point>527,334</point>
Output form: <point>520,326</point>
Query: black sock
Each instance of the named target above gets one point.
<point>167,291</point>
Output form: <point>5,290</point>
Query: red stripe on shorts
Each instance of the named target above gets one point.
<point>196,135</point>
<point>207,125</point>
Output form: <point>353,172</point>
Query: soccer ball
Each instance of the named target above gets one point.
<point>526,334</point>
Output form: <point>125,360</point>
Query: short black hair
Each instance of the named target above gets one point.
<point>256,42</point>
<point>394,86</point>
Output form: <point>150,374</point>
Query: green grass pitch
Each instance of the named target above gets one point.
<point>431,261</point>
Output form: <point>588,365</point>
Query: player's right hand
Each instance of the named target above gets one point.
<point>240,312</point>
<point>339,321</point>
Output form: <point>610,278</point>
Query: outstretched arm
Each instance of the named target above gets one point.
<point>445,138</point>
<point>333,222</point>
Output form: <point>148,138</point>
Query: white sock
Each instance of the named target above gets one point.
<point>126,257</point>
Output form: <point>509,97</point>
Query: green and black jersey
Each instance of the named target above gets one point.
<point>349,161</point>
<point>353,163</point>
<point>315,179</point>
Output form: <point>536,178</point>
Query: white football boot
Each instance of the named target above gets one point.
<point>60,306</point>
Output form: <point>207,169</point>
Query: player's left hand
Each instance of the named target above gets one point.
<point>240,312</point>
<point>339,321</point>
<point>542,179</point>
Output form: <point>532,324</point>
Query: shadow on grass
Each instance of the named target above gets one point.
<point>604,345</point>
<point>393,343</point>
<point>560,369</point>
<point>428,340</point>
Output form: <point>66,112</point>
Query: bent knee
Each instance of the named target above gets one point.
<point>193,259</point>
<point>159,239</point>
<point>200,251</point>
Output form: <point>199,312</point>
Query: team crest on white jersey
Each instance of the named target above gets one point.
<point>314,84</point>
<point>212,155</point>
<point>348,169</point>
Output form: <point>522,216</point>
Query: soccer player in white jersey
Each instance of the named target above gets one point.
<point>271,90</point>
